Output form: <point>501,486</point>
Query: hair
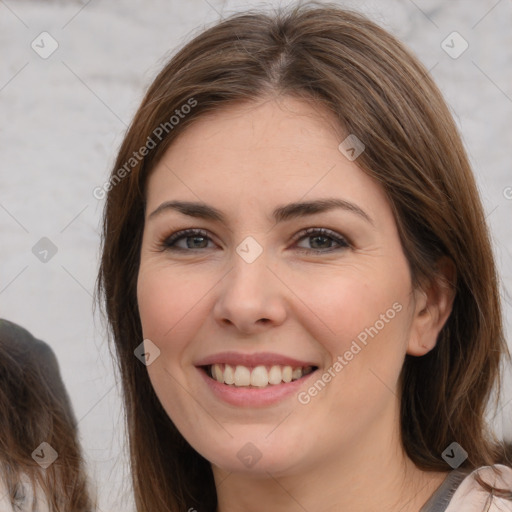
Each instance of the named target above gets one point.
<point>34,407</point>
<point>380,92</point>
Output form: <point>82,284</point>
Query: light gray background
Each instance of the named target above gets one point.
<point>63,119</point>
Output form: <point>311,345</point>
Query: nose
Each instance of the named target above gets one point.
<point>250,297</point>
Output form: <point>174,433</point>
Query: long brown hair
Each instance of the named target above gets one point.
<point>35,408</point>
<point>383,95</point>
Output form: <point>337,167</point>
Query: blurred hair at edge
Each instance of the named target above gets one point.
<point>35,407</point>
<point>381,93</point>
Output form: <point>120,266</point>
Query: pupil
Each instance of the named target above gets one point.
<point>194,245</point>
<point>326,239</point>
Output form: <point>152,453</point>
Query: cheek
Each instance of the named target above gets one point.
<point>360,318</point>
<point>168,303</point>
<point>341,305</point>
<point>362,324</point>
<point>167,300</point>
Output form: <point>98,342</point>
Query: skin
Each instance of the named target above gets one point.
<point>342,450</point>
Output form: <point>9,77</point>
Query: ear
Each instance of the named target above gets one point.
<point>433,305</point>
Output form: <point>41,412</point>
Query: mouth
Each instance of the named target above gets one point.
<point>260,377</point>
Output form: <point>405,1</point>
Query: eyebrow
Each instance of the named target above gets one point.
<point>280,214</point>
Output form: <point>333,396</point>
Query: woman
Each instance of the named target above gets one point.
<point>293,229</point>
<point>41,466</point>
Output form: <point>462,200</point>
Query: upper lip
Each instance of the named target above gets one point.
<point>259,359</point>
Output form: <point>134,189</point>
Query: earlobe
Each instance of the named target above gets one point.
<point>433,306</point>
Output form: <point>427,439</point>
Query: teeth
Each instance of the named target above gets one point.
<point>259,376</point>
<point>217,373</point>
<point>275,375</point>
<point>242,376</point>
<point>228,376</point>
<point>297,373</point>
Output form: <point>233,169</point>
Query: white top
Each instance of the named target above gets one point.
<point>23,502</point>
<point>460,492</point>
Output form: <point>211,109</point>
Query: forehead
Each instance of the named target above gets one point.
<point>271,151</point>
<point>259,129</point>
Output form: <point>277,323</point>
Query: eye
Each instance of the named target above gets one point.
<point>192,238</point>
<point>195,239</point>
<point>321,240</point>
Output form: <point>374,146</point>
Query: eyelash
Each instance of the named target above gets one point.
<point>168,242</point>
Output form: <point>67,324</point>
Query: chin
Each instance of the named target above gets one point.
<point>252,454</point>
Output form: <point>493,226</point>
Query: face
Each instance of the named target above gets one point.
<point>260,284</point>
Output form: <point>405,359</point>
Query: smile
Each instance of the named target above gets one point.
<point>244,394</point>
<point>260,376</point>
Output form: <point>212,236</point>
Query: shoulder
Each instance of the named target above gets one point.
<point>471,497</point>
<point>20,342</point>
<point>24,359</point>
<point>22,352</point>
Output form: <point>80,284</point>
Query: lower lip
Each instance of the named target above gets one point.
<point>254,397</point>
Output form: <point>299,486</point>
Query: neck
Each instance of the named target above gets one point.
<point>374,474</point>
